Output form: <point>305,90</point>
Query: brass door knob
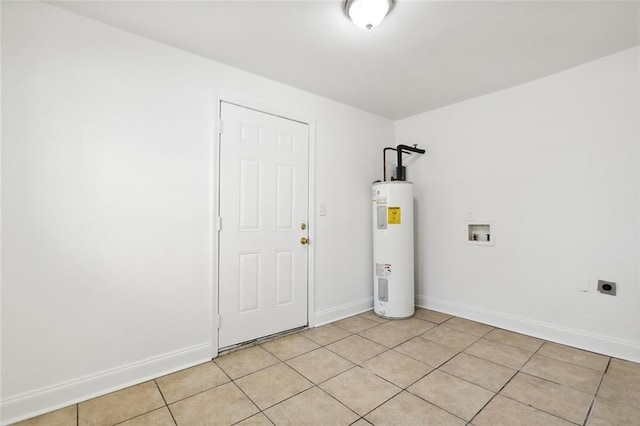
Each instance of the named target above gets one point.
<point>304,240</point>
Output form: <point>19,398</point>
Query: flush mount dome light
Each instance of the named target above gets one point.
<point>367,14</point>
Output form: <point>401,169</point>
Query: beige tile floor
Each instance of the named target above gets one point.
<point>432,369</point>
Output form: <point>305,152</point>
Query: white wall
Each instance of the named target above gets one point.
<point>108,197</point>
<point>555,165</point>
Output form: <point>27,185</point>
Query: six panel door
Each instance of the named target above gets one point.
<point>264,176</point>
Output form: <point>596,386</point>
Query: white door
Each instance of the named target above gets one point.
<point>264,175</point>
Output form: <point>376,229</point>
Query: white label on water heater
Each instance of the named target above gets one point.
<point>380,196</point>
<point>383,270</point>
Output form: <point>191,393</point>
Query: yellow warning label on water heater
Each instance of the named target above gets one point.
<point>394,215</point>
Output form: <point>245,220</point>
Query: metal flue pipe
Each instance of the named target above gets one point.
<point>401,171</point>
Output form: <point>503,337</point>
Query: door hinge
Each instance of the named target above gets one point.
<point>220,126</point>
<point>219,223</point>
<point>218,321</point>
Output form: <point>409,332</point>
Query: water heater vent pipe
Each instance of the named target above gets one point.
<point>384,162</point>
<point>401,171</point>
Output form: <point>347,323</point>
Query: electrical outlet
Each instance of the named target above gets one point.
<point>322,211</point>
<point>607,287</point>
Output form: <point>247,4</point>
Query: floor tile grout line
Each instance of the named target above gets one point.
<point>433,403</point>
<point>389,381</point>
<point>416,359</point>
<point>353,362</point>
<point>463,379</point>
<point>372,372</point>
<point>384,402</point>
<point>309,388</point>
<point>432,311</point>
<point>359,330</point>
<point>519,371</point>
<point>436,405</point>
<point>340,402</point>
<point>483,407</point>
<point>505,384</point>
<point>381,344</point>
<point>165,401</point>
<point>406,388</point>
<point>595,395</point>
<point>452,329</point>
<point>451,347</point>
<point>300,354</point>
<point>581,350</point>
<point>391,322</point>
<point>273,405</point>
<point>496,394</point>
<point>339,340</point>
<point>361,366</point>
<point>538,409</point>
<point>444,324</point>
<point>325,380</point>
<point>482,359</point>
<point>335,341</point>
<point>335,353</point>
<point>555,383</point>
<point>200,391</point>
<point>142,414</point>
<point>514,332</point>
<point>573,364</point>
<point>289,359</point>
<point>255,371</point>
<point>266,345</point>
<point>146,412</point>
<point>251,415</point>
<point>260,410</point>
<point>564,384</point>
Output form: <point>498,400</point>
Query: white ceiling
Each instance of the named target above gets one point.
<point>425,55</point>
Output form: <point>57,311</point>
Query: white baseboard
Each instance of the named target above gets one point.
<point>343,311</point>
<point>567,336</point>
<point>51,398</point>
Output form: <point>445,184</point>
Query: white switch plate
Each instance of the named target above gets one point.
<point>322,211</point>
<point>589,285</point>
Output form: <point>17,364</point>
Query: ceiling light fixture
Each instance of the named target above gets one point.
<point>367,14</point>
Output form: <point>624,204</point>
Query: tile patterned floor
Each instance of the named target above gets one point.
<point>432,369</point>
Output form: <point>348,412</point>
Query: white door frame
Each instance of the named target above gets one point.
<point>267,109</point>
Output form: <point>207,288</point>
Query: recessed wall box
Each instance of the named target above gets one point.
<point>607,287</point>
<point>480,233</point>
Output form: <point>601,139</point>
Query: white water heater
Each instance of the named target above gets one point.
<point>393,281</point>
